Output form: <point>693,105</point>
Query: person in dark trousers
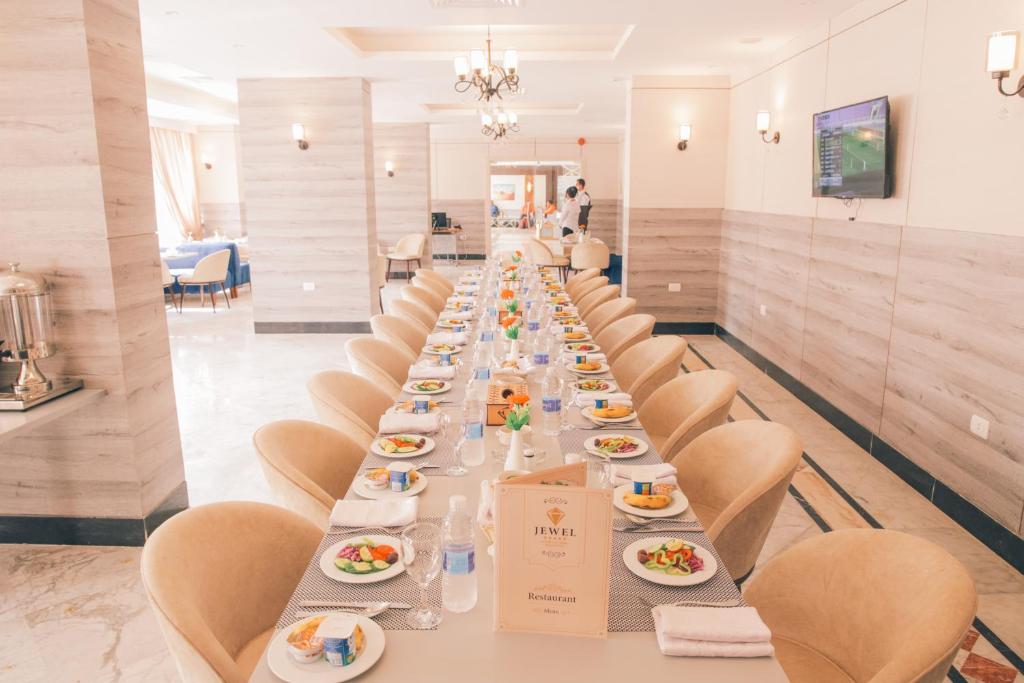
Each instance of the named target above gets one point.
<point>584,199</point>
<point>570,219</point>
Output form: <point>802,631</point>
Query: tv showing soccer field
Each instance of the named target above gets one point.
<point>851,151</point>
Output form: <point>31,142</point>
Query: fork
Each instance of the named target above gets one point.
<point>734,602</point>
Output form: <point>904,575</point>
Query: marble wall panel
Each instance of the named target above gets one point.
<point>471,214</point>
<point>403,201</point>
<point>737,274</point>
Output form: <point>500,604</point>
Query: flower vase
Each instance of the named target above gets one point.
<point>513,350</point>
<point>515,461</point>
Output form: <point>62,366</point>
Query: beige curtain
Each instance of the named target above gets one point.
<point>174,170</point>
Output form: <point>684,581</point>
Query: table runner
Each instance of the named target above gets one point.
<point>627,612</point>
<point>315,585</point>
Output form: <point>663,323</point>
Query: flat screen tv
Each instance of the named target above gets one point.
<point>438,220</point>
<point>851,151</point>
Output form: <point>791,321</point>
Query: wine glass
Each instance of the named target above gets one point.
<point>421,554</point>
<point>458,468</point>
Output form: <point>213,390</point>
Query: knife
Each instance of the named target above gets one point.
<point>329,603</point>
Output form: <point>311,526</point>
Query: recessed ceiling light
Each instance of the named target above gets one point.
<point>751,40</point>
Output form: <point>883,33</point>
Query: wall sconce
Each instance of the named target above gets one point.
<point>764,123</point>
<point>207,164</point>
<point>1003,58</point>
<point>299,135</point>
<point>389,168</point>
<point>684,136</point>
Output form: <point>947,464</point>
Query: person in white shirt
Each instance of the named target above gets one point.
<point>570,218</point>
<point>584,200</point>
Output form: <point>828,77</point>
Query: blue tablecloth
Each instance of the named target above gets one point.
<point>238,272</point>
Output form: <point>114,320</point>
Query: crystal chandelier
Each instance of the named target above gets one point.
<point>499,124</point>
<point>481,73</point>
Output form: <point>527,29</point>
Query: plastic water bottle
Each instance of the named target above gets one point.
<point>481,363</point>
<point>473,432</point>
<point>488,329</point>
<point>551,401</point>
<point>541,350</point>
<point>458,581</point>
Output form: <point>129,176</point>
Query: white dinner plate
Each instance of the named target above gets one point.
<point>427,349</point>
<point>332,572</point>
<point>603,369</point>
<point>612,388</point>
<point>360,487</point>
<point>642,446</point>
<point>633,564</point>
<point>677,506</point>
<point>586,337</point>
<point>408,388</point>
<point>284,666</point>
<point>375,447</point>
<point>444,322</point>
<point>588,413</point>
<point>569,347</point>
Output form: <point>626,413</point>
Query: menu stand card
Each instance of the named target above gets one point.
<point>552,554</point>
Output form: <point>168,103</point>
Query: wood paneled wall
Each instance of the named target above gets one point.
<point>403,201</point>
<point>76,190</point>
<point>908,330</point>
<point>223,217</point>
<point>310,214</point>
<point>471,214</point>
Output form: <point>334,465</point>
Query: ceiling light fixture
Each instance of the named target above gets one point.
<point>481,72</point>
<point>499,124</point>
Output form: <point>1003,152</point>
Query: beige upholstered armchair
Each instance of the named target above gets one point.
<point>408,249</point>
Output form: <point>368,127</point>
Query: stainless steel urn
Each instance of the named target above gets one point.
<point>26,335</point>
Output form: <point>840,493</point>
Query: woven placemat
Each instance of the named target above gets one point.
<point>401,588</point>
<point>571,441</point>
<point>626,610</point>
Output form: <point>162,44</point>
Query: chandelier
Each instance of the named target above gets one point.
<point>499,124</point>
<point>481,73</point>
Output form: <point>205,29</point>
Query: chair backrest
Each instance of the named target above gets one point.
<point>608,312</point>
<point>595,298</point>
<point>579,278</point>
<point>589,286</point>
<point>590,254</point>
<point>349,403</point>
<point>308,465</point>
<point>736,476</point>
<point>380,362</point>
<point>645,366</point>
<point>684,408</point>
<point>425,297</point>
<point>410,246</point>
<point>399,331</point>
<point>883,606</point>
<point>618,336</point>
<point>413,310</point>
<point>538,253</point>
<point>165,274</point>
<point>218,577</point>
<point>446,284</point>
<point>212,268</point>
<point>430,285</point>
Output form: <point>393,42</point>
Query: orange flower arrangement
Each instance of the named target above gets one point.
<point>507,294</point>
<point>508,321</point>
<point>519,399</point>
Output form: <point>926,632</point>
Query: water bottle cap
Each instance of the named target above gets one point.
<point>457,503</point>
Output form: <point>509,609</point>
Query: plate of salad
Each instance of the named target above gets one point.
<point>595,385</point>
<point>616,446</point>
<point>363,559</point>
<point>427,386</point>
<point>582,347</point>
<point>669,561</point>
<point>402,445</point>
<point>438,349</point>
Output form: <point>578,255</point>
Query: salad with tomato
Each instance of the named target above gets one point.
<point>365,557</point>
<point>674,557</point>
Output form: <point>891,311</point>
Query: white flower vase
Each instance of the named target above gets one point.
<point>515,461</point>
<point>513,350</point>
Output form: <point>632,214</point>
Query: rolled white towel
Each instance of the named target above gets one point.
<point>394,512</point>
<point>460,299</point>
<point>467,289</point>
<point>555,327</point>
<point>459,338</point>
<point>591,355</point>
<point>409,423</point>
<point>584,399</point>
<point>432,372</point>
<point>664,473</point>
<point>711,632</point>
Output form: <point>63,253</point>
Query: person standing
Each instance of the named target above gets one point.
<point>584,200</point>
<point>570,218</point>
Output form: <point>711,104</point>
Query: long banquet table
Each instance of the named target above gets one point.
<point>466,648</point>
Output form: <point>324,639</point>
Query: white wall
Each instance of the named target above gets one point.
<point>957,152</point>
<point>218,185</point>
<point>459,171</point>
<point>602,169</point>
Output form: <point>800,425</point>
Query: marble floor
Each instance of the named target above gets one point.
<point>79,613</point>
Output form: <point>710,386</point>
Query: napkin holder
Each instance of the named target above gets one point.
<point>497,400</point>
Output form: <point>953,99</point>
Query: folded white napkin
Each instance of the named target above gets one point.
<point>460,338</point>
<point>408,423</point>
<point>470,277</point>
<point>555,327</point>
<point>591,355</point>
<point>459,299</point>
<point>623,474</point>
<point>457,315</point>
<point>711,632</point>
<point>467,289</point>
<point>394,512</point>
<point>585,399</point>
<point>432,372</point>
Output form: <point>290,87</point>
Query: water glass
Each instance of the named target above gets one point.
<point>458,468</point>
<point>598,472</point>
<point>421,554</point>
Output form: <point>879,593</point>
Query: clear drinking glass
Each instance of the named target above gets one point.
<point>458,468</point>
<point>598,472</point>
<point>421,554</point>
